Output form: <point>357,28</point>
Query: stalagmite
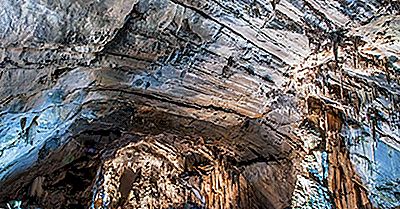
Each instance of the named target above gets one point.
<point>199,104</point>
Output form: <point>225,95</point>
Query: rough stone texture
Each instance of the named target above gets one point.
<point>200,104</point>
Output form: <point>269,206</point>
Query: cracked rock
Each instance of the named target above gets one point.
<point>199,104</point>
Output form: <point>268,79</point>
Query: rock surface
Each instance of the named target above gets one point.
<point>200,104</point>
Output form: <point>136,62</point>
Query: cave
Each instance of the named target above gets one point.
<point>189,104</point>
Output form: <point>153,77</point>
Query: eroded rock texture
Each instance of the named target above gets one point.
<point>199,104</point>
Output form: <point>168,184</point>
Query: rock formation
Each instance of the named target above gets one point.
<point>200,104</point>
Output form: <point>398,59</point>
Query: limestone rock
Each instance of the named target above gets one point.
<point>199,104</point>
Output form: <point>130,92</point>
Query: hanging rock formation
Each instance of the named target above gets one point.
<point>200,104</point>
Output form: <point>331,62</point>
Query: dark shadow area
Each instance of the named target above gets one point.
<point>67,173</point>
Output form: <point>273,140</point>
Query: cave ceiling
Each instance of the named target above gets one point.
<point>200,104</point>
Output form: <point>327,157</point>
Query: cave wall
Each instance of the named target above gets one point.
<point>299,99</point>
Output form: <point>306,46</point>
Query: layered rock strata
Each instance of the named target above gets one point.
<point>199,104</point>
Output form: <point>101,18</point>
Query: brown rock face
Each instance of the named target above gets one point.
<point>199,104</point>
<point>164,171</point>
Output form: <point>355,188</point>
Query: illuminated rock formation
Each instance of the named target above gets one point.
<point>200,104</point>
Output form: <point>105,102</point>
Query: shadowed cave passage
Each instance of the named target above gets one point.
<point>210,104</point>
<point>133,158</point>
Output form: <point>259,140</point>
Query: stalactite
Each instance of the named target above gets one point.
<point>199,104</point>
